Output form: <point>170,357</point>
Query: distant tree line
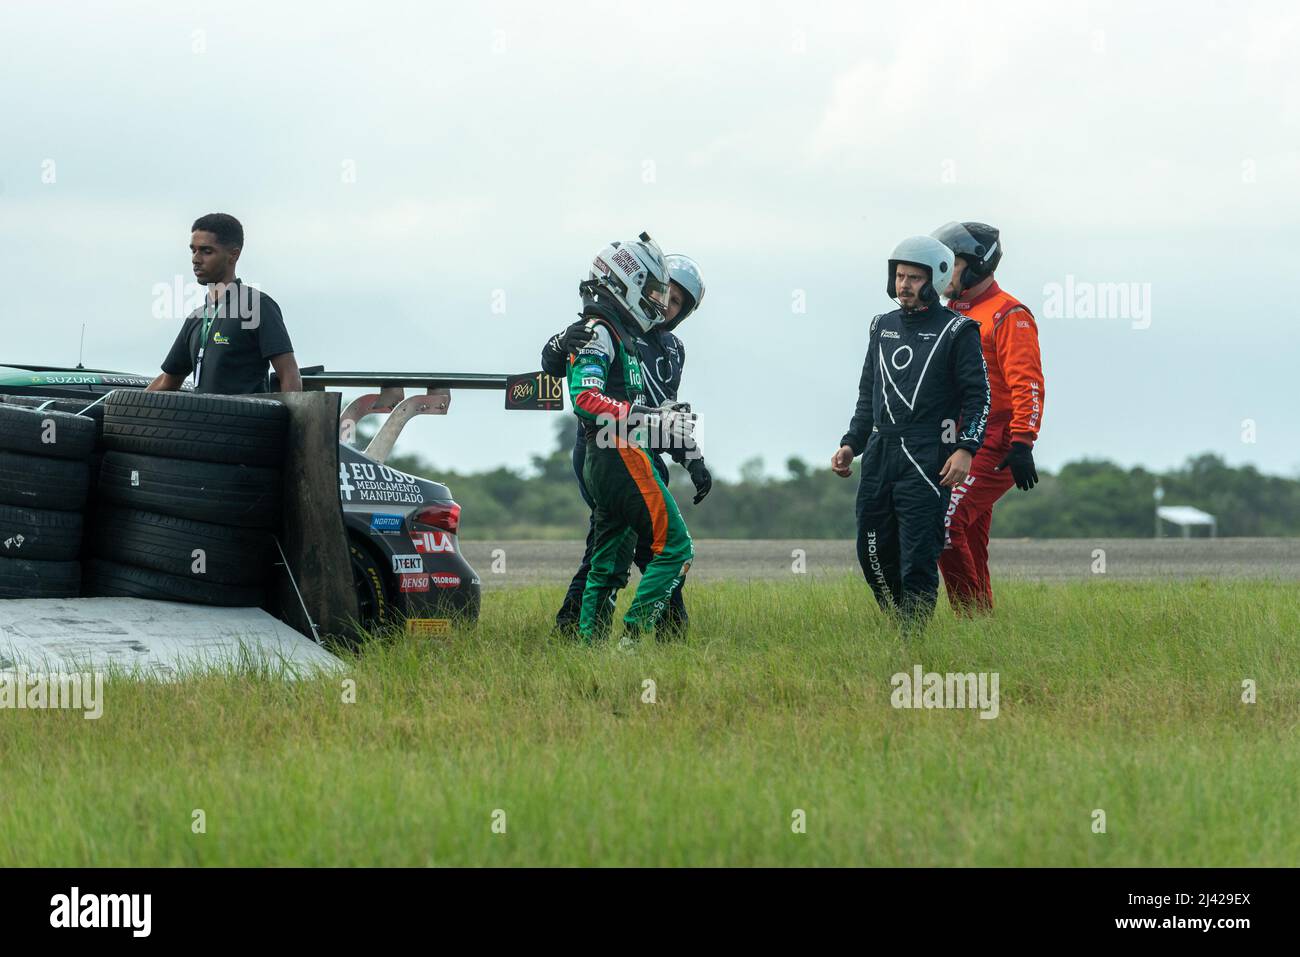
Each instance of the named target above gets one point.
<point>1084,499</point>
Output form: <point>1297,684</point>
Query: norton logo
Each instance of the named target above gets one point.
<point>103,910</point>
<point>220,340</point>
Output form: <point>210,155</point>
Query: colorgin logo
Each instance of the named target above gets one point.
<point>929,689</point>
<point>103,910</point>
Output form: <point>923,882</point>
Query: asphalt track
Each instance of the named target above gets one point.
<point>517,563</point>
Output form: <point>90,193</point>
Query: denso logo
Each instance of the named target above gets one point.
<point>431,542</point>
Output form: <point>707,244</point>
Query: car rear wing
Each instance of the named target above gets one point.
<point>529,391</point>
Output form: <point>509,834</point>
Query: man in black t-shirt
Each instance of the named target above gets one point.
<point>228,343</point>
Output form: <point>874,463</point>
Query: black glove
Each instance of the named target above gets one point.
<point>1021,460</point>
<point>575,337</point>
<point>700,478</point>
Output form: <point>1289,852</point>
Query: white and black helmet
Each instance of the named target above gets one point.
<point>930,254</point>
<point>634,276</point>
<point>684,271</point>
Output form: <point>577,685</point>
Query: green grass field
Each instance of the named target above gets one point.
<point>1124,698</point>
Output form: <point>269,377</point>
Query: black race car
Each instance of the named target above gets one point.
<point>402,529</point>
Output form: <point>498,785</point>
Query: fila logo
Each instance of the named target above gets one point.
<point>431,542</point>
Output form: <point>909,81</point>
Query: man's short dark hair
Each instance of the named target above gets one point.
<point>225,227</point>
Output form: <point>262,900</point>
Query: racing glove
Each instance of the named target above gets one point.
<point>555,356</point>
<point>677,424</point>
<point>700,478</point>
<point>671,425</point>
<point>572,339</point>
<point>1021,460</point>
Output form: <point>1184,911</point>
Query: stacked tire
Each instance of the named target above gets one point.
<point>187,499</point>
<point>44,478</point>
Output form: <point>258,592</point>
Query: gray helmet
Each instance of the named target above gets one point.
<point>684,271</point>
<point>929,254</point>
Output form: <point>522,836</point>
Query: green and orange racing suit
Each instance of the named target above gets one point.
<point>608,394</point>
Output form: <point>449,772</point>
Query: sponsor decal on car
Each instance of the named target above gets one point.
<point>428,627</point>
<point>50,379</point>
<point>536,390</point>
<point>432,542</point>
<point>123,380</point>
<point>446,581</point>
<point>410,583</point>
<point>383,522</point>
<point>378,483</point>
<point>407,563</point>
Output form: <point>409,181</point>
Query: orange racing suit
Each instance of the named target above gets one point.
<point>1009,339</point>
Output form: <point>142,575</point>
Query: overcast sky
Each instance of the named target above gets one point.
<point>402,168</point>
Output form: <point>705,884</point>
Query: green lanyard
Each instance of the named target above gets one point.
<point>203,341</point>
<point>207,321</point>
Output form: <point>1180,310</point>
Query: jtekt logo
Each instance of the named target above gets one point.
<point>102,910</point>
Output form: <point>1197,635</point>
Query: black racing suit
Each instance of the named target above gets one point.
<point>924,393</point>
<point>662,356</point>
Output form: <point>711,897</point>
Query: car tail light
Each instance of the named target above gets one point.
<point>444,515</point>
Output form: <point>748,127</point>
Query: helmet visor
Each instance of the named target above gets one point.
<point>656,294</point>
<point>963,242</point>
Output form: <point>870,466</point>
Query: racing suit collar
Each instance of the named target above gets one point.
<point>919,315</point>
<point>611,315</point>
<point>965,305</point>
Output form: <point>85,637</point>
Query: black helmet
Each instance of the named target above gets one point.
<point>977,243</point>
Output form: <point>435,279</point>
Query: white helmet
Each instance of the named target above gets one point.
<point>930,254</point>
<point>635,278</point>
<point>684,271</point>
